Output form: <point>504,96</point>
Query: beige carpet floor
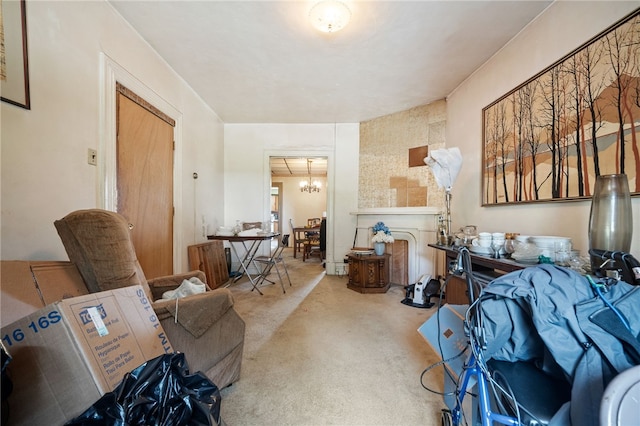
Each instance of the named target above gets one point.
<point>322,354</point>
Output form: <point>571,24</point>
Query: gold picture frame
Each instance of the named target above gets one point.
<point>550,137</point>
<point>14,64</point>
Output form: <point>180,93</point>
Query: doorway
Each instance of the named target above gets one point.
<point>113,74</point>
<point>304,189</point>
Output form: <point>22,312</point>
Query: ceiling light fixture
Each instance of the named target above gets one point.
<point>308,186</point>
<point>329,16</point>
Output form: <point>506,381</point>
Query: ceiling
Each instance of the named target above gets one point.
<point>262,62</point>
<point>289,166</point>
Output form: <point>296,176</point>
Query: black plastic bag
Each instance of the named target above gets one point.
<point>7,385</point>
<point>160,392</point>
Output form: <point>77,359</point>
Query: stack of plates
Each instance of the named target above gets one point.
<point>224,231</point>
<point>484,250</point>
<point>362,251</point>
<point>525,258</point>
<point>546,244</point>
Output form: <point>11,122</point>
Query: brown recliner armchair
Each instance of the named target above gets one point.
<point>207,329</point>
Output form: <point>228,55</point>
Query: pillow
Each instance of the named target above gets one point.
<point>187,288</point>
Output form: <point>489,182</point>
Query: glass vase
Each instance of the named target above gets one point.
<point>610,219</point>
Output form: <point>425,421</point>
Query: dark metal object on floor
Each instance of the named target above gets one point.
<point>419,295</point>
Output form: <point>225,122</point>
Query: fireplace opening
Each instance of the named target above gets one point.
<point>399,251</point>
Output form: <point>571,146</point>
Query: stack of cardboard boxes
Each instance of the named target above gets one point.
<point>67,352</point>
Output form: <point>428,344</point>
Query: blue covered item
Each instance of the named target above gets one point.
<point>551,315</point>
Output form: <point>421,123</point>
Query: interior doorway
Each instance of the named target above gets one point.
<point>303,186</point>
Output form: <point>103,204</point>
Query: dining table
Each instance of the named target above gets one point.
<point>250,244</point>
<point>299,236</point>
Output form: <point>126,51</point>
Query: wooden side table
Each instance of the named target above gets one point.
<point>485,269</point>
<point>369,273</point>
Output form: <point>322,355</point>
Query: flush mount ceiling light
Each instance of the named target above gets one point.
<point>329,16</point>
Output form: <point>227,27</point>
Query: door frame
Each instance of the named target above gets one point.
<point>106,192</point>
<point>330,184</point>
<point>280,201</point>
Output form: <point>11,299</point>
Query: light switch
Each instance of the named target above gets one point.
<point>92,157</point>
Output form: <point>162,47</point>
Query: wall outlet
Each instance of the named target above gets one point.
<point>92,157</point>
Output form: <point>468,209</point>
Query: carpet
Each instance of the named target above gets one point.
<point>322,354</point>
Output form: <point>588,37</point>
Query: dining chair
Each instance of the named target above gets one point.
<point>311,248</point>
<point>273,259</point>
<point>313,236</point>
<point>313,222</point>
<point>298,244</point>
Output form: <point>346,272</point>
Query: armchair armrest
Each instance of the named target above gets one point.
<point>198,312</point>
<point>170,282</point>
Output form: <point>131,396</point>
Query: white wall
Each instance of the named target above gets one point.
<point>300,206</point>
<point>247,179</point>
<point>45,174</point>
<point>565,26</point>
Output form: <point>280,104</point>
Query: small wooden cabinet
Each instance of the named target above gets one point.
<point>484,269</point>
<point>369,273</point>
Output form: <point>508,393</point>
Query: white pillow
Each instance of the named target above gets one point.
<point>187,288</point>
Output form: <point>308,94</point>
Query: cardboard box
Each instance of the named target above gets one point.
<point>448,340</point>
<point>67,355</point>
<point>31,285</point>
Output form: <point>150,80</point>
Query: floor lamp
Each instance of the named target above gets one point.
<point>445,165</point>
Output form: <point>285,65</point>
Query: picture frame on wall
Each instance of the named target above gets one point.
<point>14,64</point>
<point>550,137</point>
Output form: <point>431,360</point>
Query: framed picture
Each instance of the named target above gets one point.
<point>14,68</point>
<point>549,138</point>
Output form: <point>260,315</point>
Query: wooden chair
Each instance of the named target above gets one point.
<point>298,244</point>
<point>314,222</point>
<point>314,236</point>
<point>311,248</point>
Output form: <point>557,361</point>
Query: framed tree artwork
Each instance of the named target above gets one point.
<point>549,138</point>
<point>14,69</point>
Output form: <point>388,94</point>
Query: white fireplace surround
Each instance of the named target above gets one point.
<point>417,225</point>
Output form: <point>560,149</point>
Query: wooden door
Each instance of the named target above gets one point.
<point>145,180</point>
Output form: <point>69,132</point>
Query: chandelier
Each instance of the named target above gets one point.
<point>309,186</point>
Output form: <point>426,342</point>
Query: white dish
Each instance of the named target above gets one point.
<point>362,251</point>
<point>224,234</point>
<point>483,250</point>
<point>546,241</point>
<point>527,260</point>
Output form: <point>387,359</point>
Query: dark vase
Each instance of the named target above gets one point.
<point>610,219</point>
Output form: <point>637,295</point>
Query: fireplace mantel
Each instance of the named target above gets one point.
<point>416,225</point>
<point>397,211</point>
